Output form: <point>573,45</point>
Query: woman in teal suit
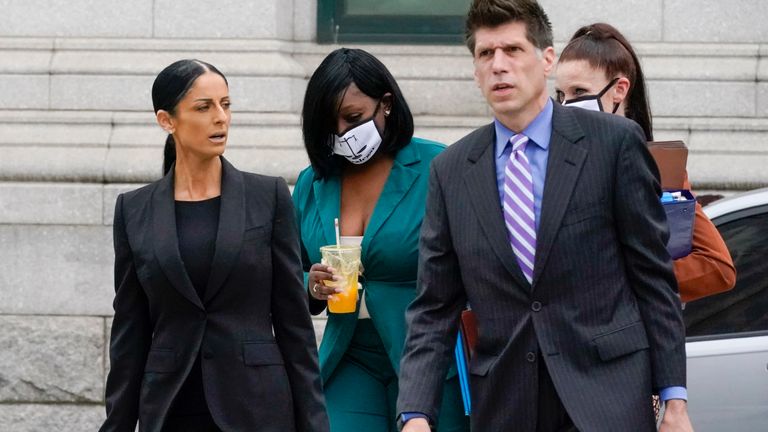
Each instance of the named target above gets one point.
<point>368,171</point>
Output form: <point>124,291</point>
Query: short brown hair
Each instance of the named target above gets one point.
<point>493,13</point>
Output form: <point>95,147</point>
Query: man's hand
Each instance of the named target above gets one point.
<point>676,417</point>
<point>416,425</point>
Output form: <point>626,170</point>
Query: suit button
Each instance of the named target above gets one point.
<point>207,355</point>
<point>536,306</point>
<point>531,357</point>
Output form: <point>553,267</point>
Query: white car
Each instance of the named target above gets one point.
<point>727,341</point>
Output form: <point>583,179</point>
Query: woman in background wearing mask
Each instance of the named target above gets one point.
<point>599,70</point>
<point>368,171</point>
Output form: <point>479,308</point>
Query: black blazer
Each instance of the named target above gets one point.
<point>602,310</point>
<point>259,356</point>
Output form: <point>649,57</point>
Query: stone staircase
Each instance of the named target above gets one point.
<point>79,110</point>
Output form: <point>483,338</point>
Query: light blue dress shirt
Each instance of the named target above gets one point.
<point>539,132</point>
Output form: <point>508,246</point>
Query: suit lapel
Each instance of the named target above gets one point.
<point>564,165</point>
<point>166,242</point>
<point>229,238</point>
<point>327,192</point>
<point>480,180</point>
<point>400,180</point>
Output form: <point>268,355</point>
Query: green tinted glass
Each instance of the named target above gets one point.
<point>391,21</point>
<point>406,7</point>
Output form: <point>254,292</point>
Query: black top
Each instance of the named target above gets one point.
<point>196,225</point>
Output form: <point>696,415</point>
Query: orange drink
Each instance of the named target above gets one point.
<point>345,260</point>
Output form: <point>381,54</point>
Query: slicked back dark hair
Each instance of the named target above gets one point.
<point>493,13</point>
<point>170,87</point>
<point>322,101</point>
<point>605,48</point>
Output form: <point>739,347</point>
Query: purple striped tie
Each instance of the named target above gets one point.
<point>518,205</point>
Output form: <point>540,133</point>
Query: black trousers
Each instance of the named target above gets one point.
<point>191,423</point>
<point>551,414</point>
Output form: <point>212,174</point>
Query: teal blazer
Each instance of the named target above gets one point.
<point>390,248</point>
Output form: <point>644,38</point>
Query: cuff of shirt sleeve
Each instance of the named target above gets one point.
<point>673,393</point>
<point>405,416</point>
<point>412,415</point>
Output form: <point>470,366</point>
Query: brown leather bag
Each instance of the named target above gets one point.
<point>468,329</point>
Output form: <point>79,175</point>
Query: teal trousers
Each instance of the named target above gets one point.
<point>362,391</point>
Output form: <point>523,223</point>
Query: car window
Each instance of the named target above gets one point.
<point>745,308</point>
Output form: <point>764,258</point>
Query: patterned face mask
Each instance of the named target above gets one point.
<point>359,143</point>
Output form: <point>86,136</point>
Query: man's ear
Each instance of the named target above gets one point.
<point>548,57</point>
<point>621,90</point>
<point>165,120</point>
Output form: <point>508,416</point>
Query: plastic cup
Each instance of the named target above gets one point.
<point>346,261</point>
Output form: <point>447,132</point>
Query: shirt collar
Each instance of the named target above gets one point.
<point>539,131</point>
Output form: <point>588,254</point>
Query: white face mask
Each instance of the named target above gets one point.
<point>592,102</point>
<point>358,144</point>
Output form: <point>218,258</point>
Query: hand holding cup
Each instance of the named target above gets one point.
<point>319,273</point>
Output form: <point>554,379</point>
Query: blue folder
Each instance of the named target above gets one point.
<point>461,366</point>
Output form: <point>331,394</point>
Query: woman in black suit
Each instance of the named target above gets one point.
<point>211,329</point>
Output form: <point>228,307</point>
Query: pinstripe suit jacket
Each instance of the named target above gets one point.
<point>602,310</point>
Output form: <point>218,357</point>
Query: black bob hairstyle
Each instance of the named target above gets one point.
<point>322,100</point>
<point>170,87</point>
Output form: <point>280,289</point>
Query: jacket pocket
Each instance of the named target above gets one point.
<point>583,213</point>
<point>261,354</point>
<point>481,364</point>
<point>256,232</point>
<point>625,340</point>
<point>161,360</point>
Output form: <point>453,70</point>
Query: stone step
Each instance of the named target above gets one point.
<point>115,147</point>
<point>699,80</point>
<point>74,345</point>
<point>51,417</point>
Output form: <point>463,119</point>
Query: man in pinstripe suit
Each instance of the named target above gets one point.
<point>548,223</point>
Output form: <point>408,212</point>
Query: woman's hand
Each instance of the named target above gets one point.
<point>317,274</point>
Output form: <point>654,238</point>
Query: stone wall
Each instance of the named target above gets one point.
<point>76,129</point>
